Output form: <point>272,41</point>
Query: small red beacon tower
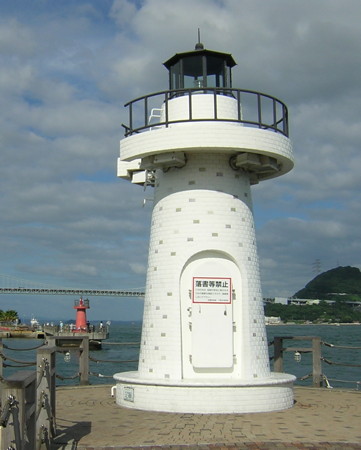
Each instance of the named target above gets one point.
<point>81,306</point>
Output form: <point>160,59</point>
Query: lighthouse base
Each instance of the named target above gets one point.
<point>273,393</point>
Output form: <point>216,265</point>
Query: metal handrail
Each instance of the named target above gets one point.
<point>250,115</point>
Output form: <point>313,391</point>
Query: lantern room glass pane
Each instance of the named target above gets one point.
<point>175,77</point>
<point>193,72</point>
<point>215,72</point>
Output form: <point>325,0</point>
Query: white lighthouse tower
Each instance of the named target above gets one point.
<point>201,144</point>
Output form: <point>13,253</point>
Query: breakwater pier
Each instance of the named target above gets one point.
<point>87,416</point>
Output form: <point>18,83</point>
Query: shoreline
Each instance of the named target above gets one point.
<point>313,324</point>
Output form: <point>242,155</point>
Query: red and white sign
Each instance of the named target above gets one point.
<point>215,290</point>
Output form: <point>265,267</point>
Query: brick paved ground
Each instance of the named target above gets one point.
<point>88,418</point>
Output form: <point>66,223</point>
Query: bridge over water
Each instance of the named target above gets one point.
<point>13,285</point>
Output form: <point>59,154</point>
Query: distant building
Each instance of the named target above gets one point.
<point>272,320</point>
<point>281,300</point>
<point>303,301</point>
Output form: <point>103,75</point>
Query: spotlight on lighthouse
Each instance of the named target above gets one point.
<point>200,145</point>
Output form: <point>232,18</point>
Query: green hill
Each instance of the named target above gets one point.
<point>341,283</point>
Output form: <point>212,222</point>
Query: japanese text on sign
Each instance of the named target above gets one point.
<point>212,290</point>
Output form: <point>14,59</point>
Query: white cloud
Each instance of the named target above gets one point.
<point>16,39</point>
<point>123,11</point>
<point>67,70</point>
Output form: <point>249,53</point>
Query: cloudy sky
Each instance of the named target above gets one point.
<point>68,67</point>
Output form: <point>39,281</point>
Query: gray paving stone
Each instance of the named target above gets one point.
<point>89,419</point>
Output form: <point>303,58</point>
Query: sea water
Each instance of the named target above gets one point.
<point>115,357</point>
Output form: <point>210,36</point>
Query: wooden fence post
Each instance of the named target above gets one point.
<point>316,362</point>
<point>278,354</point>
<point>46,394</point>
<point>19,432</point>
<point>84,361</point>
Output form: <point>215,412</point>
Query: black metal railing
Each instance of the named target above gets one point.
<point>254,109</point>
<point>82,302</point>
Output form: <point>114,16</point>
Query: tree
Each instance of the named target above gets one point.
<point>343,283</point>
<point>323,312</point>
<point>8,316</point>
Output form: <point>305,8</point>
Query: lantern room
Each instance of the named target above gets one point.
<point>200,68</point>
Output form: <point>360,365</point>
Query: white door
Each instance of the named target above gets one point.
<point>208,290</point>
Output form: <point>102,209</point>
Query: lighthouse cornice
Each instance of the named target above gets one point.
<point>213,120</point>
<point>224,138</point>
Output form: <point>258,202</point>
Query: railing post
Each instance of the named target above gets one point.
<point>84,361</point>
<point>215,104</point>
<point>259,106</point>
<point>166,99</point>
<point>285,120</point>
<point>131,118</point>
<point>316,362</point>
<point>146,121</point>
<point>46,394</point>
<point>19,432</point>
<point>275,125</point>
<point>239,106</point>
<point>278,354</point>
<point>190,117</point>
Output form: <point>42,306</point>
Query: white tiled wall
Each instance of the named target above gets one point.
<point>204,206</point>
<point>206,399</point>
